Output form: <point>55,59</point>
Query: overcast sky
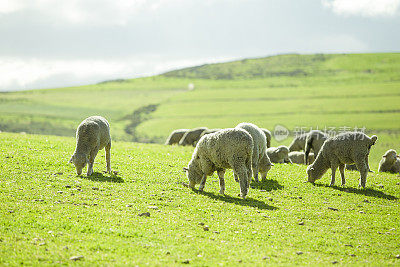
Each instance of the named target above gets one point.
<point>58,43</point>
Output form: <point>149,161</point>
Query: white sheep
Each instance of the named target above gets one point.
<point>192,136</point>
<point>230,148</point>
<point>345,148</point>
<point>314,140</point>
<point>298,143</point>
<point>298,157</point>
<point>390,162</point>
<point>268,136</point>
<point>92,135</point>
<point>279,154</point>
<point>259,145</point>
<point>175,136</point>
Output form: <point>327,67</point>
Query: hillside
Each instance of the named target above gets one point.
<point>335,92</point>
<point>50,216</point>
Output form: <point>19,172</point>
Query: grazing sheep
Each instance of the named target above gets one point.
<point>279,154</point>
<point>208,131</point>
<point>298,143</point>
<point>268,136</point>
<point>230,148</point>
<point>264,166</point>
<point>390,162</point>
<point>92,135</point>
<point>192,136</point>
<point>298,157</point>
<point>175,136</point>
<point>345,148</point>
<point>259,145</point>
<point>314,140</point>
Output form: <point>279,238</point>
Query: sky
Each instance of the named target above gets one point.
<point>59,43</point>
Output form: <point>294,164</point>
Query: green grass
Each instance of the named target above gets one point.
<point>48,214</point>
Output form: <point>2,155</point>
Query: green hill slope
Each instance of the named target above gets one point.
<point>50,216</point>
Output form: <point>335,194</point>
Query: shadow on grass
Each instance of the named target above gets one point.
<point>267,185</point>
<point>99,177</point>
<point>366,192</point>
<point>249,202</point>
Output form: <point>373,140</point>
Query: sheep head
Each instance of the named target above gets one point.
<point>80,161</point>
<point>193,172</point>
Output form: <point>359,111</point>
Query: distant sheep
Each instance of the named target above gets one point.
<point>230,148</point>
<point>314,140</point>
<point>92,135</point>
<point>175,136</point>
<point>208,131</point>
<point>259,145</point>
<point>298,157</point>
<point>279,154</point>
<point>191,137</point>
<point>390,162</point>
<point>268,136</point>
<point>298,143</point>
<point>345,148</point>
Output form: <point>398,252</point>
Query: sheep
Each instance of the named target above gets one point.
<point>268,136</point>
<point>279,154</point>
<point>192,136</point>
<point>314,140</point>
<point>208,131</point>
<point>298,143</point>
<point>264,166</point>
<point>259,145</point>
<point>175,136</point>
<point>298,157</point>
<point>92,135</point>
<point>230,148</point>
<point>390,162</point>
<point>345,148</point>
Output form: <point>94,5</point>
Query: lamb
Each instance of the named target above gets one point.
<point>268,136</point>
<point>208,131</point>
<point>279,154</point>
<point>345,148</point>
<point>298,157</point>
<point>314,140</point>
<point>92,135</point>
<point>230,148</point>
<point>175,136</point>
<point>192,136</point>
<point>298,143</point>
<point>390,162</point>
<point>259,145</point>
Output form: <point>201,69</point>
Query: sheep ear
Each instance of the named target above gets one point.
<point>70,160</point>
<point>185,169</point>
<point>373,139</point>
<point>271,164</point>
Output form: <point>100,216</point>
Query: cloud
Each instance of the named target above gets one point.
<point>366,8</point>
<point>99,12</point>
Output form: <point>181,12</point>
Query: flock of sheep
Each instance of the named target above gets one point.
<point>247,150</point>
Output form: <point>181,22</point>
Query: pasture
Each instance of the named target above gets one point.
<point>142,214</point>
<point>50,216</point>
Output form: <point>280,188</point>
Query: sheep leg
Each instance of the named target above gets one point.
<point>362,167</point>
<point>203,182</point>
<point>108,148</point>
<point>341,169</point>
<point>243,181</point>
<point>92,156</point>
<point>221,174</point>
<point>334,166</point>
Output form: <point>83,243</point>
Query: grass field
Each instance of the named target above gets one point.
<point>49,215</point>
